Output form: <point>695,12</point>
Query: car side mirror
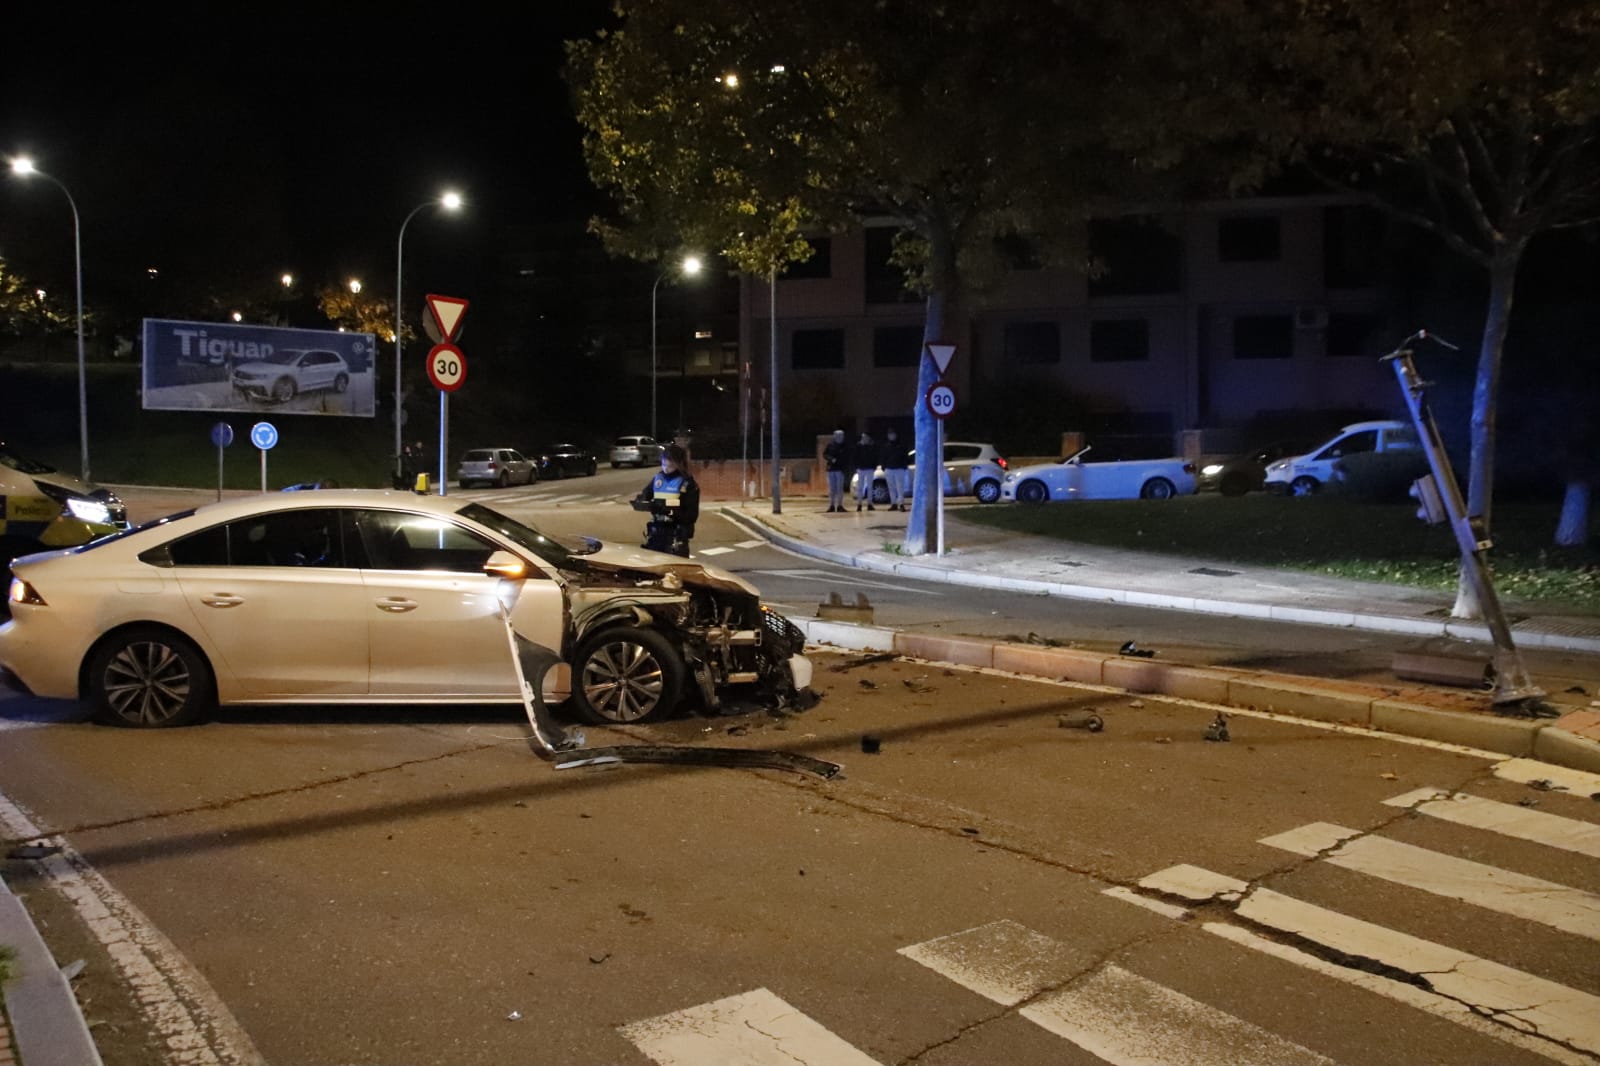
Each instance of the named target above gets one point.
<point>503,564</point>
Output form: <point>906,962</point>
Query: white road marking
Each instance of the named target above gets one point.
<point>1110,1012</point>
<point>1524,771</point>
<point>715,551</point>
<point>750,544</point>
<point>851,580</point>
<point>751,1029</point>
<point>180,1006</point>
<point>1570,910</point>
<point>1128,895</point>
<point>1520,1002</point>
<point>1507,819</point>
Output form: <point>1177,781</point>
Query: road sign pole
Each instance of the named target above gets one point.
<point>444,439</point>
<point>939,477</point>
<point>263,469</point>
<point>219,473</point>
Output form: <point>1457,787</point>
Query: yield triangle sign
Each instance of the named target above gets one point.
<point>941,355</point>
<point>447,312</point>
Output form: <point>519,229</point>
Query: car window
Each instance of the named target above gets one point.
<point>1401,437</point>
<point>281,538</point>
<point>961,453</point>
<point>399,540</point>
<point>559,553</point>
<point>1365,441</point>
<point>477,457</point>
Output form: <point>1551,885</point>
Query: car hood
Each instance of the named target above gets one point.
<point>258,367</point>
<point>71,484</point>
<point>617,559</point>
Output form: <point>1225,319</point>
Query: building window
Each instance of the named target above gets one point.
<point>1263,337</point>
<point>1018,252</point>
<point>1352,246</point>
<point>1033,342</point>
<point>885,282</point>
<point>817,349</point>
<point>1137,256</point>
<point>897,346</point>
<point>1352,334</point>
<point>820,265</point>
<point>1248,239</point>
<point>1119,340</point>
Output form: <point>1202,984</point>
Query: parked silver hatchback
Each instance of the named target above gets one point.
<point>635,451</point>
<point>496,466</point>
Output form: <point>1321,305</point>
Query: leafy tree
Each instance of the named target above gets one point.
<point>1477,120</point>
<point>360,312</point>
<point>746,125</point>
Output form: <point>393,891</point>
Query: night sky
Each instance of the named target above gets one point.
<point>207,138</point>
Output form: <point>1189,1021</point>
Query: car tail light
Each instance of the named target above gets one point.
<point>1002,464</point>
<point>493,464</point>
<point>1188,468</point>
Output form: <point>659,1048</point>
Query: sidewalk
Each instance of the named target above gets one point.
<point>1037,565</point>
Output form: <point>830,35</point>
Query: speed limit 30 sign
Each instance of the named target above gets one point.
<point>447,367</point>
<point>941,400</point>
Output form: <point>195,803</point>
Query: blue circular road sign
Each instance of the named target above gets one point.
<point>263,435</point>
<point>222,434</point>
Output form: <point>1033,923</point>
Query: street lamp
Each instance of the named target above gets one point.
<point>450,201</point>
<point>23,167</point>
<point>355,286</point>
<point>689,267</point>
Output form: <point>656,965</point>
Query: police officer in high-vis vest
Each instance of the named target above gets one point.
<point>674,501</point>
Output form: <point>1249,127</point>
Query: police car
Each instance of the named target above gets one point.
<point>42,508</point>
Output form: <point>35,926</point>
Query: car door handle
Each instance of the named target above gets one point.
<point>222,599</point>
<point>396,605</point>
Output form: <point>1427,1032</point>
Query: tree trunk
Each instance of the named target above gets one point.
<point>1485,396</point>
<point>1573,529</point>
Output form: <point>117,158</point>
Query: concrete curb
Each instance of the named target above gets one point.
<point>1417,627</point>
<point>47,1024</point>
<point>1405,711</point>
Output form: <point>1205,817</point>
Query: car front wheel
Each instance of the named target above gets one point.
<point>987,490</point>
<point>1157,488</point>
<point>1031,492</point>
<point>1304,485</point>
<point>283,390</point>
<point>149,678</point>
<point>626,674</point>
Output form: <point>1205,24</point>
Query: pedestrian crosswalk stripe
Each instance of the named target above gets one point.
<point>751,1029</point>
<point>750,544</point>
<point>1507,819</point>
<point>1110,1012</point>
<point>714,551</point>
<point>1527,771</point>
<point>1566,1019</point>
<point>1570,910</point>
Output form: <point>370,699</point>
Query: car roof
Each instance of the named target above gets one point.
<point>1385,423</point>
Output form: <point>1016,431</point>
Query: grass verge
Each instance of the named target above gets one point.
<point>1344,538</point>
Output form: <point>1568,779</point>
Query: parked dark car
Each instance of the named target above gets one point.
<point>564,460</point>
<point>1247,471</point>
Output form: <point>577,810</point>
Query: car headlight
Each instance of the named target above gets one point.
<point>1278,467</point>
<point>89,511</point>
<point>1211,471</point>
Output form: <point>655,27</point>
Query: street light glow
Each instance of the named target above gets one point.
<point>450,201</point>
<point>288,281</point>
<point>355,284</point>
<point>238,317</point>
<point>731,80</point>
<point>691,265</point>
<point>22,165</point>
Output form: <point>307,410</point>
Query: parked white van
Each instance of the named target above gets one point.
<point>1303,475</point>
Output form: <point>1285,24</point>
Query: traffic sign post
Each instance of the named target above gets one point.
<point>221,436</point>
<point>941,404</point>
<point>447,366</point>
<point>264,435</point>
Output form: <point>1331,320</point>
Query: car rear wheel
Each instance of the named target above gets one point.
<point>1304,485</point>
<point>341,383</point>
<point>283,390</point>
<point>592,467</point>
<point>626,674</point>
<point>149,678</point>
<point>1032,492</point>
<point>880,492</point>
<point>1157,488</point>
<point>987,490</point>
<point>502,479</point>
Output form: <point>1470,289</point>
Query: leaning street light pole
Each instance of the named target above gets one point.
<point>23,167</point>
<point>689,268</point>
<point>450,201</point>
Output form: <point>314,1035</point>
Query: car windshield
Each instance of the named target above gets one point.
<point>26,466</point>
<point>557,552</point>
<point>283,357</point>
<point>477,457</point>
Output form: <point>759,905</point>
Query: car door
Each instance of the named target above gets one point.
<point>434,620</point>
<point>280,602</point>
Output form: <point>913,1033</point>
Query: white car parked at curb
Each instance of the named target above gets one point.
<point>970,469</point>
<point>1075,478</point>
<point>1304,475</point>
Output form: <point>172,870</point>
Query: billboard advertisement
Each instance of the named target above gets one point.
<point>220,366</point>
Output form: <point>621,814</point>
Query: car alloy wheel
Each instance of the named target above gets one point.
<point>1157,488</point>
<point>283,390</point>
<point>1031,492</point>
<point>1304,485</point>
<point>626,674</point>
<point>880,492</point>
<point>149,678</point>
<point>987,490</point>
<point>502,480</point>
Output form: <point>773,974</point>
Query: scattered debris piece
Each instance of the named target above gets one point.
<point>738,730</point>
<point>1389,776</point>
<point>1049,642</point>
<point>1163,740</point>
<point>598,959</point>
<point>733,758</point>
<point>1130,648</point>
<point>33,851</point>
<point>1578,690</point>
<point>1081,720</point>
<point>1544,784</point>
<point>917,684</point>
<point>1218,729</point>
<point>1528,801</point>
<point>1136,703</point>
<point>970,830</point>
<point>514,1016</point>
<point>871,745</point>
<point>867,683</point>
<point>865,660</point>
<point>73,969</point>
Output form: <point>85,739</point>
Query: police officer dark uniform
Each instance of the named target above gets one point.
<point>673,499</point>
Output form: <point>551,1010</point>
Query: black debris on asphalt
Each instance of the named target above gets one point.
<point>1218,729</point>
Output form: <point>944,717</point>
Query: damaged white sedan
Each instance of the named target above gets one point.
<point>361,596</point>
